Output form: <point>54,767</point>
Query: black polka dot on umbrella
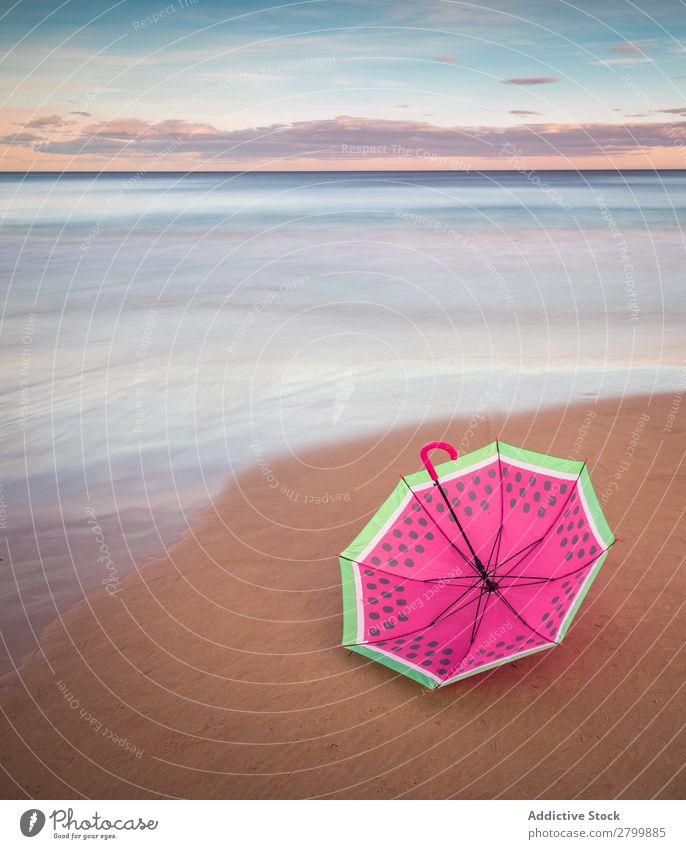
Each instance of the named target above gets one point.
<point>374,632</point>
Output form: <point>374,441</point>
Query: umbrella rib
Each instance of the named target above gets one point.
<point>536,579</point>
<point>421,628</point>
<point>517,553</point>
<point>475,630</point>
<point>522,620</point>
<point>444,613</point>
<point>499,535</point>
<point>409,577</point>
<point>477,563</point>
<point>475,626</point>
<point>436,525</point>
<point>552,524</point>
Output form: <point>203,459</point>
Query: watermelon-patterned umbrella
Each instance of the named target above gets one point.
<point>479,562</point>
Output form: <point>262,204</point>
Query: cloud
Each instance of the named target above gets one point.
<point>530,80</point>
<point>678,110</point>
<point>20,139</point>
<point>628,48</point>
<point>523,112</point>
<point>347,138</point>
<point>402,106</point>
<point>445,57</point>
<point>82,114</point>
<point>629,53</point>
<point>47,122</point>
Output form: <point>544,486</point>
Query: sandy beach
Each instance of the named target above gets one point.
<point>214,672</point>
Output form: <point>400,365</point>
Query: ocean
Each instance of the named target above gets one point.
<point>163,331</point>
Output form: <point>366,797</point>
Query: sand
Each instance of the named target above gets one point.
<point>214,672</point>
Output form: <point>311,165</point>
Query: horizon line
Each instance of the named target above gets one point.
<point>345,171</point>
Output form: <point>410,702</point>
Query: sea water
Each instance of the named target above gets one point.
<point>161,331</point>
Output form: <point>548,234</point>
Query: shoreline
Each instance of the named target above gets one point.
<point>218,662</point>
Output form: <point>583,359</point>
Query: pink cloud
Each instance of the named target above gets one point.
<point>530,80</point>
<point>349,138</point>
<point>628,48</point>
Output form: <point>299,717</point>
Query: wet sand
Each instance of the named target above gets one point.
<point>214,672</point>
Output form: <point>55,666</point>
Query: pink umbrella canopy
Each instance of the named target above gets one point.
<point>478,562</point>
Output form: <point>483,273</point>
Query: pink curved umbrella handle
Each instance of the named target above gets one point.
<point>424,454</point>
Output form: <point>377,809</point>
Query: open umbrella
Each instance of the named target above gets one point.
<point>476,563</point>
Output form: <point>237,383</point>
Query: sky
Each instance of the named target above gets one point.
<point>327,85</point>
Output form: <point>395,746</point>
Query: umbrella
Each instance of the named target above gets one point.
<point>478,562</point>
